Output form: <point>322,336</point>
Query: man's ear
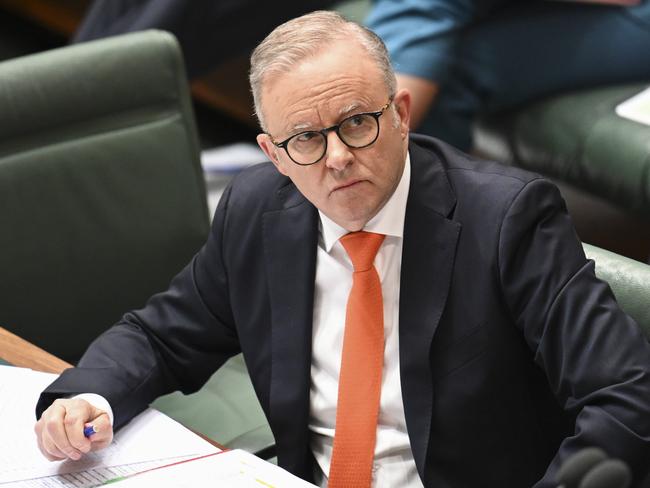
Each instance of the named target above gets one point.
<point>271,151</point>
<point>402,101</point>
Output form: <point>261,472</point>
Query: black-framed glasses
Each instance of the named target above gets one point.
<point>356,131</point>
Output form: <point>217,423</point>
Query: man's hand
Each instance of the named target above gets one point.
<point>60,430</point>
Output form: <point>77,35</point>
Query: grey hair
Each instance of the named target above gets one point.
<point>302,37</point>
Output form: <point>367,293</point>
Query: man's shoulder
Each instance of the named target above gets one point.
<point>460,165</point>
<point>260,176</point>
<point>481,188</point>
<point>260,184</point>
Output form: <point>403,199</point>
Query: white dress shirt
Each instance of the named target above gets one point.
<point>393,463</point>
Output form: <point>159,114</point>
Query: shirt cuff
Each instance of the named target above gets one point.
<point>97,401</point>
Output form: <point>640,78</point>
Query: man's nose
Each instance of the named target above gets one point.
<point>338,155</point>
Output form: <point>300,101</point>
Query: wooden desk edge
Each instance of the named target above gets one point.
<point>24,354</point>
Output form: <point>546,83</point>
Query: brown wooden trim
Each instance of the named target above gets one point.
<point>225,89</point>
<point>60,16</point>
<point>19,352</point>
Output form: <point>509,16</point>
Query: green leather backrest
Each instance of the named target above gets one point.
<point>102,198</point>
<point>628,279</point>
<point>577,138</point>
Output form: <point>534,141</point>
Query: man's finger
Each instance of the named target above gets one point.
<point>49,450</point>
<point>74,421</point>
<point>44,450</point>
<point>53,431</point>
<point>60,430</point>
<point>103,435</point>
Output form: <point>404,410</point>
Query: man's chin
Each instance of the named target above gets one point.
<point>352,220</point>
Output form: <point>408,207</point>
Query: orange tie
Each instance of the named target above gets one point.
<point>361,365</point>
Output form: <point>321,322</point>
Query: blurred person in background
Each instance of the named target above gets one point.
<point>461,58</point>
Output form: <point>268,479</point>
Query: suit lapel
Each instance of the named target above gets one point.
<point>290,240</point>
<point>430,240</point>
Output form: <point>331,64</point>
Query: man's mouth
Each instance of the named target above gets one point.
<point>345,185</point>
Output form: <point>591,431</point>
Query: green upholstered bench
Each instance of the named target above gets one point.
<point>578,140</point>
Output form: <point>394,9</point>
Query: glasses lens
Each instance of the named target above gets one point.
<point>359,130</point>
<point>306,147</point>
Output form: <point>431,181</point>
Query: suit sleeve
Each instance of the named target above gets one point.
<point>595,357</point>
<point>421,34</point>
<point>176,341</point>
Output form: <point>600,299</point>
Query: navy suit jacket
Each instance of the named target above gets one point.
<point>513,355</point>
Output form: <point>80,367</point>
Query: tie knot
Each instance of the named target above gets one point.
<point>362,248</point>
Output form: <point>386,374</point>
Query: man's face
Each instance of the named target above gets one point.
<point>348,185</point>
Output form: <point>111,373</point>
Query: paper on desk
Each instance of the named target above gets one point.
<point>89,478</point>
<point>231,158</point>
<point>231,469</point>
<point>151,436</point>
<point>636,108</point>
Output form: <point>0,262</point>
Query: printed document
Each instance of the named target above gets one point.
<point>151,439</point>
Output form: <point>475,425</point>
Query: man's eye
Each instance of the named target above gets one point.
<point>306,136</point>
<point>356,121</point>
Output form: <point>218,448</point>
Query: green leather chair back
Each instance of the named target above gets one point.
<point>628,279</point>
<point>102,198</point>
<point>577,138</point>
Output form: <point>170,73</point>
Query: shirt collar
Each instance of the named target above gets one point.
<point>388,221</point>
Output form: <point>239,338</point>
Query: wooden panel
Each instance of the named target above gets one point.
<point>60,16</point>
<point>226,88</point>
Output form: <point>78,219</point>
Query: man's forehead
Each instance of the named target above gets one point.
<point>312,118</point>
<point>321,88</point>
<point>319,109</point>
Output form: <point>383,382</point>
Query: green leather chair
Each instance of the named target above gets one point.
<point>102,202</point>
<point>102,198</point>
<point>600,161</point>
<point>579,139</point>
<point>628,279</point>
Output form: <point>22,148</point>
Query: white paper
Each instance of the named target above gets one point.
<point>151,436</point>
<point>89,478</point>
<point>636,108</point>
<point>231,158</point>
<point>231,469</point>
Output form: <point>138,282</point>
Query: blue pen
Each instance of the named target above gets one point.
<point>89,430</point>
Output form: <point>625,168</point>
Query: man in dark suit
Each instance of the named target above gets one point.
<point>500,352</point>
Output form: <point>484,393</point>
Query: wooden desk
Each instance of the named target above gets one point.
<point>19,352</point>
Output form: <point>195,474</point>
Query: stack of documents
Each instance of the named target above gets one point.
<point>151,440</point>
<point>232,469</point>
